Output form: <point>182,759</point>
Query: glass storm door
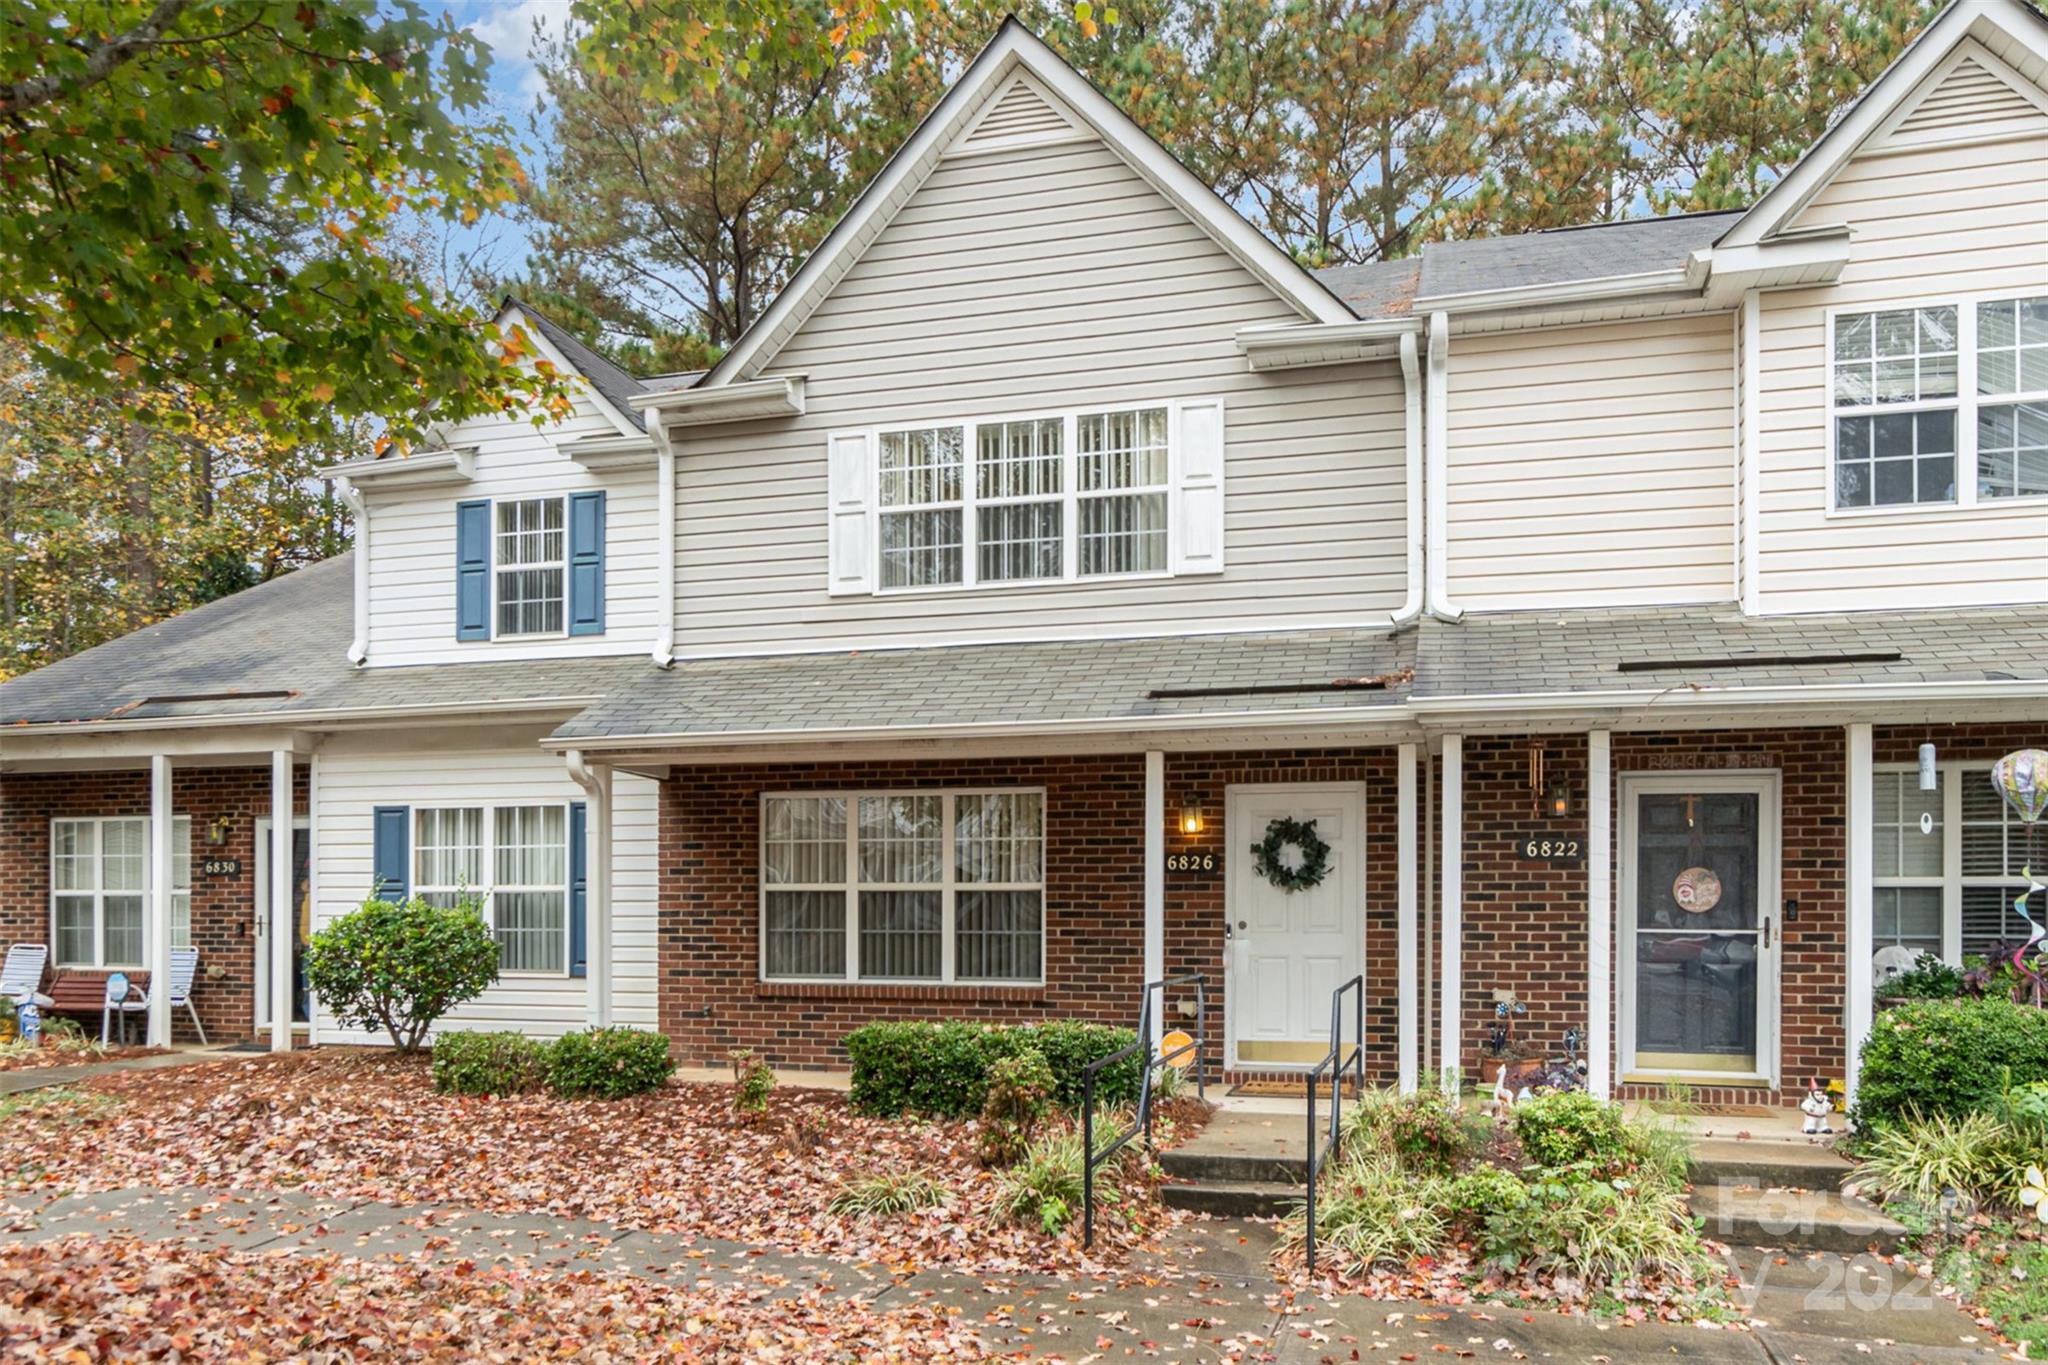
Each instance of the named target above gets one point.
<point>1701,890</point>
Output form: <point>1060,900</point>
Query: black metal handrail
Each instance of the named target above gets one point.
<point>1334,1063</point>
<point>1198,1045</point>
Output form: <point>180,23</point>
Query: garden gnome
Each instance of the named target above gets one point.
<point>1817,1107</point>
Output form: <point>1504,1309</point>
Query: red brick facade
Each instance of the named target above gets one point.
<point>223,908</point>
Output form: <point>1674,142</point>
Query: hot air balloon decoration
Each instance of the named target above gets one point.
<point>2022,779</point>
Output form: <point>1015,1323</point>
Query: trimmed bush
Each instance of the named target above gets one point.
<point>1424,1131</point>
<point>609,1063</point>
<point>1950,1057</point>
<point>942,1070</point>
<point>401,967</point>
<point>1566,1127</point>
<point>488,1063</point>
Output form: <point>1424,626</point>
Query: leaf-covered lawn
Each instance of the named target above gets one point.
<point>369,1125</point>
<point>18,1056</point>
<point>88,1298</point>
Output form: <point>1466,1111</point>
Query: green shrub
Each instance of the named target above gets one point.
<point>1044,1187</point>
<point>401,967</point>
<point>1019,1097</point>
<point>942,1069</point>
<point>609,1063</point>
<point>750,1091</point>
<point>1482,1194</point>
<point>1948,1057</point>
<point>1372,1211</point>
<point>1568,1127</point>
<point>1598,1232</point>
<point>889,1194</point>
<point>1425,1131</point>
<point>1929,978</point>
<point>488,1063</point>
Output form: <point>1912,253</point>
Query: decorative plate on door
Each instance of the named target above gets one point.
<point>1697,890</point>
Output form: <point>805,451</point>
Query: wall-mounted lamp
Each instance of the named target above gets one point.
<point>217,830</point>
<point>1191,818</point>
<point>1559,801</point>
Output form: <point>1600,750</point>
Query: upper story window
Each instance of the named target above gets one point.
<point>99,887</point>
<point>530,568</point>
<point>1940,404</point>
<point>1095,493</point>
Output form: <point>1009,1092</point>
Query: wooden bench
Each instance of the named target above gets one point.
<point>84,993</point>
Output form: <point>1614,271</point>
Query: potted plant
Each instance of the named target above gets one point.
<point>1514,1060</point>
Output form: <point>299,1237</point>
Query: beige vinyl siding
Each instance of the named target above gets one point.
<point>412,545</point>
<point>1594,465</point>
<point>1929,226</point>
<point>359,773</point>
<point>1035,279</point>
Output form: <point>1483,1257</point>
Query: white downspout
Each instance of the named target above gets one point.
<point>1411,387</point>
<point>665,535</point>
<point>1437,461</point>
<point>359,647</point>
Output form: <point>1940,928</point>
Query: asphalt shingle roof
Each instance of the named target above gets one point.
<point>608,379</point>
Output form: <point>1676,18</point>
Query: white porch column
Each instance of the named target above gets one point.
<point>282,912</point>
<point>159,935</point>
<point>1408,1019</point>
<point>596,781</point>
<point>1856,939</point>
<point>1450,912</point>
<point>1599,915</point>
<point>1155,880</point>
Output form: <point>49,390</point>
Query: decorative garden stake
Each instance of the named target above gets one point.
<point>2022,779</point>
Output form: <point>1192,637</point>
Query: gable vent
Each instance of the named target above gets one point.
<point>1971,102</point>
<point>1019,114</point>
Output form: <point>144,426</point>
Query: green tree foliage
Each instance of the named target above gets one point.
<point>109,522</point>
<point>401,967</point>
<point>202,196</point>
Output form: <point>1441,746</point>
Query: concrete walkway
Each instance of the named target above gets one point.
<point>28,1078</point>
<point>1207,1296</point>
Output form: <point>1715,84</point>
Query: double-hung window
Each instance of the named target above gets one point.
<point>904,887</point>
<point>513,861</point>
<point>1946,863</point>
<point>1035,498</point>
<point>531,566</point>
<point>99,890</point>
<point>1941,404</point>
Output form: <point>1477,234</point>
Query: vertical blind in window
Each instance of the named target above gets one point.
<point>923,886</point>
<point>531,567</point>
<point>518,874</point>
<point>1122,478</point>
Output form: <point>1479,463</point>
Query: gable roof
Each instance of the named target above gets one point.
<point>1014,49</point>
<point>2013,31</point>
<point>612,383</point>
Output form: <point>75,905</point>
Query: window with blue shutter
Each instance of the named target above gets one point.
<point>391,860</point>
<point>473,570</point>
<point>586,563</point>
<point>579,888</point>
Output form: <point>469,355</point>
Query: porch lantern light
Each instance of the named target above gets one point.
<point>1560,800</point>
<point>217,830</point>
<point>1191,818</point>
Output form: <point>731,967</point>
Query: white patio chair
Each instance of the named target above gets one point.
<point>22,977</point>
<point>184,970</point>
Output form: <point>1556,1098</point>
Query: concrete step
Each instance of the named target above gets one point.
<point>1235,1199</point>
<point>1207,1163</point>
<point>1767,1165</point>
<point>1795,1219</point>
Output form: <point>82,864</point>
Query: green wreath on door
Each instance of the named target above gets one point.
<point>1269,854</point>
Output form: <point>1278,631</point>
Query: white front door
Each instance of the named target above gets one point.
<point>1288,950</point>
<point>1699,903</point>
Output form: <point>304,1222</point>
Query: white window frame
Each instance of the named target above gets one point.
<point>487,858</point>
<point>1954,773</point>
<point>181,826</point>
<point>498,568</point>
<point>1070,496</point>
<point>853,886</point>
<point>1965,405</point>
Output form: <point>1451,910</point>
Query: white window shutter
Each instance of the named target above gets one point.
<point>1198,487</point>
<point>852,556</point>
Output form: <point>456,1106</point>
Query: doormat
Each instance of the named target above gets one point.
<point>1719,1111</point>
<point>1287,1088</point>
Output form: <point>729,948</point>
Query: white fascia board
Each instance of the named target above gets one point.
<point>1451,711</point>
<point>1679,280</point>
<point>610,452</point>
<point>1872,109</point>
<point>745,401</point>
<point>1014,46</point>
<point>426,469</point>
<point>332,717</point>
<point>1270,346</point>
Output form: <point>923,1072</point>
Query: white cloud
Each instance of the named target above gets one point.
<point>508,26</point>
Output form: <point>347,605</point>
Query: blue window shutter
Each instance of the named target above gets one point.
<point>579,889</point>
<point>473,570</point>
<point>391,863</point>
<point>586,563</point>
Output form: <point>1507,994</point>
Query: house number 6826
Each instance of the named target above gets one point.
<point>1191,862</point>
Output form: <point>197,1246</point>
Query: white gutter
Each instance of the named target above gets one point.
<point>1685,279</point>
<point>665,551</point>
<point>1689,697</point>
<point>482,710</point>
<point>748,400</point>
<point>428,469</point>
<point>1411,390</point>
<point>1272,346</point>
<point>359,647</point>
<point>1436,483</point>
